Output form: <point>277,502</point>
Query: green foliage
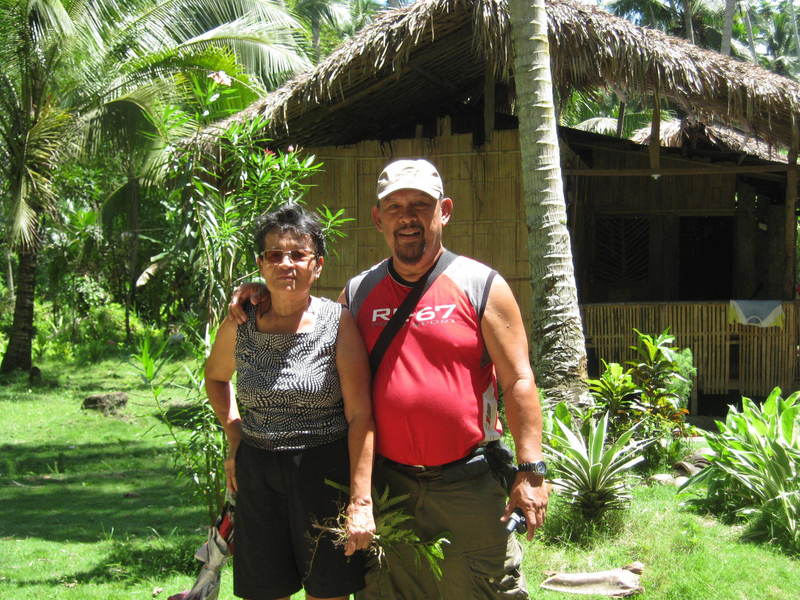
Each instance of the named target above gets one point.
<point>652,393</point>
<point>88,335</point>
<point>681,386</point>
<point>565,525</point>
<point>200,457</point>
<point>214,201</point>
<point>615,390</point>
<point>591,472</point>
<point>654,372</point>
<point>390,533</point>
<point>755,469</point>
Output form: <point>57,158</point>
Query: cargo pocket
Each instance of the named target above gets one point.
<point>496,572</point>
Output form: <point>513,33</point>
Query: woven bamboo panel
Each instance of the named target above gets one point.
<point>488,220</point>
<point>767,356</point>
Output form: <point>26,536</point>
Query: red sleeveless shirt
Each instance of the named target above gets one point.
<point>434,395</point>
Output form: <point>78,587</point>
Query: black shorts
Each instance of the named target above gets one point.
<point>278,551</point>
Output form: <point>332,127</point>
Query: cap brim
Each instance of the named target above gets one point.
<point>409,185</point>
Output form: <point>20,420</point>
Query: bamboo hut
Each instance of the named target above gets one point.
<point>662,236</point>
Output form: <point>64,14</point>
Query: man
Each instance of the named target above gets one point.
<point>435,399</point>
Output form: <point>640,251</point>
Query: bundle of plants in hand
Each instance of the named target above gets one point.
<point>389,531</point>
<point>754,471</point>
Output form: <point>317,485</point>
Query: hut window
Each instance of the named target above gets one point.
<point>621,258</point>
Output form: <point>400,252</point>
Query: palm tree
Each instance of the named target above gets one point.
<point>558,347</point>
<point>65,63</point>
<point>776,34</point>
<point>316,14</point>
<point>727,29</point>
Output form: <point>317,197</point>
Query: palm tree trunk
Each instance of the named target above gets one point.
<point>687,20</point>
<point>18,352</point>
<point>10,277</point>
<point>316,28</point>
<point>133,251</point>
<point>558,350</point>
<point>750,37</point>
<point>727,29</point>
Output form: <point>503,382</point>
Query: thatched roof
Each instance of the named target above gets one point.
<point>677,133</point>
<point>427,59</point>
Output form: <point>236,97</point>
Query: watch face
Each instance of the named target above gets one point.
<point>539,467</point>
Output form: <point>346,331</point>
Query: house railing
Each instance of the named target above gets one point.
<point>746,358</point>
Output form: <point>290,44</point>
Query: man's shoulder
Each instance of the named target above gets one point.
<point>470,265</point>
<point>473,278</point>
<point>377,267</point>
<point>469,273</point>
<point>356,288</point>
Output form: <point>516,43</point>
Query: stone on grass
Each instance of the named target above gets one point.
<point>108,404</point>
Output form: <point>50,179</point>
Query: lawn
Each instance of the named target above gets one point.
<point>90,507</point>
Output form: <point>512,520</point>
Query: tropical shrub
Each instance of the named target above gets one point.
<point>653,392</point>
<point>213,199</point>
<point>614,389</point>
<point>754,471</point>
<point>589,471</point>
<point>681,386</point>
<point>654,372</point>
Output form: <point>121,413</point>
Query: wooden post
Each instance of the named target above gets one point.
<point>488,105</point>
<point>744,275</point>
<point>655,134</point>
<point>790,225</point>
<point>776,273</point>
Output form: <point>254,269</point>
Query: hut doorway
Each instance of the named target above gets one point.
<point>706,254</point>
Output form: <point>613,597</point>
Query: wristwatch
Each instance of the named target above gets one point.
<point>539,467</point>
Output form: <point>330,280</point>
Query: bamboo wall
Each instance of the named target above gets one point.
<point>766,356</point>
<point>488,221</point>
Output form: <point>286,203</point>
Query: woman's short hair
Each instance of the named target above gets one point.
<point>290,217</point>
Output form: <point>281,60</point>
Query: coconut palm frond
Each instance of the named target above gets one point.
<point>604,125</point>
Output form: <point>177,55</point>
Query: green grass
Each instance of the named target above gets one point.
<point>91,507</point>
<point>686,555</point>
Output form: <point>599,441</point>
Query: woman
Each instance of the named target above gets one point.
<point>303,385</point>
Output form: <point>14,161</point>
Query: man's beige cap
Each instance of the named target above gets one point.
<point>408,174</point>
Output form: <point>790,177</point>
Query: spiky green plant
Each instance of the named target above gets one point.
<point>592,473</point>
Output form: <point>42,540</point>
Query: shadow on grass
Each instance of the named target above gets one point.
<point>89,492</point>
<point>136,559</point>
<point>93,510</point>
<point>20,460</point>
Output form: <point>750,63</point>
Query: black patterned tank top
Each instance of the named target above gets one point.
<point>287,385</point>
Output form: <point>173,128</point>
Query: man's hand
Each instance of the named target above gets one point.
<point>529,493</point>
<point>256,293</point>
<point>360,525</point>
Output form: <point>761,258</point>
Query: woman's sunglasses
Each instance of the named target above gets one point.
<point>275,257</point>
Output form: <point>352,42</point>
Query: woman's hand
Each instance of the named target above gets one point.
<point>360,525</point>
<point>230,467</point>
